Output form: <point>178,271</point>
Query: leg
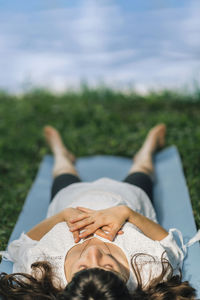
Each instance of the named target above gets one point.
<point>64,171</point>
<point>142,170</point>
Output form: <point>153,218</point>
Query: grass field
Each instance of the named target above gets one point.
<point>98,121</point>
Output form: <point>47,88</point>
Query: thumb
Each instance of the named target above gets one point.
<point>113,232</point>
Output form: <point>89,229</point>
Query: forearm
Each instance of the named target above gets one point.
<point>151,229</point>
<point>37,232</point>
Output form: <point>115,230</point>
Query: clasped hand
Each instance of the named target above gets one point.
<point>106,223</point>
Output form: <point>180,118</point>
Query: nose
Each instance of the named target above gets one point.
<point>93,256</point>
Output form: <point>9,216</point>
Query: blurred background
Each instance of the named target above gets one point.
<point>136,44</point>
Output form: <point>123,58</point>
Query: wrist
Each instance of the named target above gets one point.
<point>64,215</point>
<point>126,212</point>
<point>132,216</point>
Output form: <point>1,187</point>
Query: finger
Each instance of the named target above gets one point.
<point>78,218</point>
<point>76,236</point>
<point>81,224</point>
<point>120,232</point>
<point>84,209</point>
<point>90,229</point>
<point>101,233</point>
<point>90,235</point>
<point>113,232</point>
<point>106,228</point>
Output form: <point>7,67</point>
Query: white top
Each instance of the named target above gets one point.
<point>100,194</point>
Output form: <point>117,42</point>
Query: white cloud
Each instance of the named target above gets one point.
<point>96,41</point>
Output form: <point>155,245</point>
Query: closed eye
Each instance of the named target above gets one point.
<point>82,267</point>
<point>107,266</point>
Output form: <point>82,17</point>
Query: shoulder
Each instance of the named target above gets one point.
<point>56,239</point>
<point>52,247</point>
<point>134,241</point>
<point>58,236</point>
<point>18,247</point>
<point>173,245</point>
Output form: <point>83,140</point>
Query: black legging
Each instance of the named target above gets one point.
<point>139,179</point>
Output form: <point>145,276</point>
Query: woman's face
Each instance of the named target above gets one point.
<point>94,253</point>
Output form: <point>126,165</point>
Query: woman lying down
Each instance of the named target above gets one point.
<point>100,240</point>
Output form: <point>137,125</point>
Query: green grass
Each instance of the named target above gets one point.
<point>91,122</point>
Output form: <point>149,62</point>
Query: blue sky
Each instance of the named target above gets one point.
<point>57,44</point>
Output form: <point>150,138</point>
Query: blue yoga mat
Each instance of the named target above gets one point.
<point>171,198</point>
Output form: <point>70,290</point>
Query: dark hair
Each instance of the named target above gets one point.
<point>173,289</point>
<point>88,284</point>
<point>26,287</point>
<point>93,284</point>
<point>165,286</point>
<point>96,284</point>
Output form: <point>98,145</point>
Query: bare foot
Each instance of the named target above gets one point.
<point>54,140</point>
<point>156,137</point>
<point>154,140</point>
